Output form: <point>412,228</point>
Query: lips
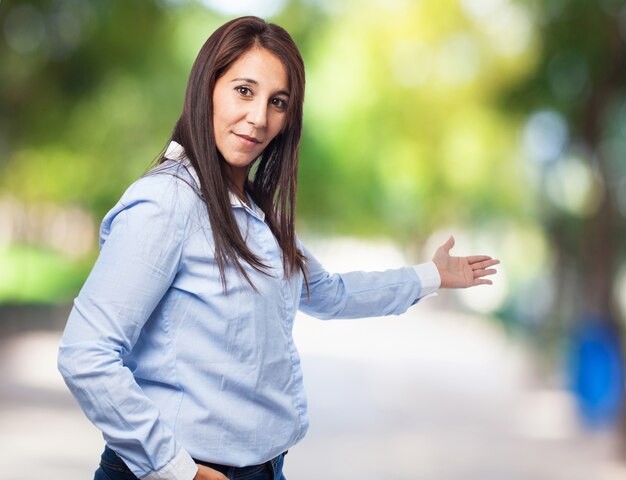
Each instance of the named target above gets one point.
<point>248,139</point>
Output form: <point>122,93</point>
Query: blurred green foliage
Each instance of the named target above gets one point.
<point>404,130</point>
<point>79,128</point>
<point>82,116</point>
<point>49,275</point>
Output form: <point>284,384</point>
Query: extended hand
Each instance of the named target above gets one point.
<point>206,473</point>
<point>462,272</point>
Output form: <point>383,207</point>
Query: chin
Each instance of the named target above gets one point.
<point>240,162</point>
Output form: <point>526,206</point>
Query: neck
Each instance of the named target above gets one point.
<point>237,178</point>
<point>240,192</point>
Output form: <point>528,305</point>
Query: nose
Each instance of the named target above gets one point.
<point>257,113</point>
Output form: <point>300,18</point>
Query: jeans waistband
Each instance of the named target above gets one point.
<point>242,470</point>
<point>112,461</point>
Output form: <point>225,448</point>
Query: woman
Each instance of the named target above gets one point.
<point>179,345</point>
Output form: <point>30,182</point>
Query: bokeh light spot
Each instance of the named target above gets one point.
<point>24,29</point>
<point>572,186</point>
<point>545,136</point>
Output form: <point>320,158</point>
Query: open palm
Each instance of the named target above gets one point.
<point>462,272</point>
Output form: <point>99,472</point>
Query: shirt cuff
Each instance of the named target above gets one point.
<point>182,467</point>
<point>429,278</point>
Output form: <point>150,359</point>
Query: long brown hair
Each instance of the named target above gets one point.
<point>274,185</point>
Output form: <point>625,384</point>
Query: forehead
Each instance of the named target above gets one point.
<point>262,66</point>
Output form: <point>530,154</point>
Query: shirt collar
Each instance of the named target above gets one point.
<point>175,151</point>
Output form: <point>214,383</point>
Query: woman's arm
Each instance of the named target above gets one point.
<point>391,292</point>
<point>141,245</point>
<point>361,294</point>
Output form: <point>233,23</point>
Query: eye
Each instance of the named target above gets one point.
<point>243,91</point>
<point>279,103</point>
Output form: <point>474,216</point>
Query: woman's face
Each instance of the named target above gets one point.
<point>249,109</point>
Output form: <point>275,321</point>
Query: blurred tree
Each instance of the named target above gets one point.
<point>83,83</point>
<point>575,140</point>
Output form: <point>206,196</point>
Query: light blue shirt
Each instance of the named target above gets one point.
<point>171,368</point>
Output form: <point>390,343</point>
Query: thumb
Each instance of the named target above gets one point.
<point>448,245</point>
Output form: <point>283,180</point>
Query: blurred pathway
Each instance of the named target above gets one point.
<point>440,397</point>
<point>435,397</point>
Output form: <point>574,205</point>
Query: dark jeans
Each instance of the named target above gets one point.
<point>113,467</point>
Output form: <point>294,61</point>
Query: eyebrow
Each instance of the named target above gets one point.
<point>254,82</point>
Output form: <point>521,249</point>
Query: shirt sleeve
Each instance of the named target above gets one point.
<point>140,250</point>
<point>429,277</point>
<point>364,294</point>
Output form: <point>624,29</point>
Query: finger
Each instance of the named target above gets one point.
<point>483,273</point>
<point>209,473</point>
<point>478,258</point>
<point>484,266</point>
<point>217,475</point>
<point>485,263</point>
<point>481,281</point>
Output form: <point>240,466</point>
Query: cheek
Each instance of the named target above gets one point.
<point>222,110</point>
<point>219,117</point>
<point>279,125</point>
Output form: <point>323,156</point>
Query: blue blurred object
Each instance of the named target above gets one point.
<point>596,370</point>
